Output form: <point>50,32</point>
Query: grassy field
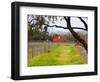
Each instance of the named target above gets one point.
<point>61,55</point>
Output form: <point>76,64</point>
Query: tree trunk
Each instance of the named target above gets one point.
<point>76,36</point>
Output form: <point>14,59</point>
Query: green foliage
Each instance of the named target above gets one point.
<point>37,35</point>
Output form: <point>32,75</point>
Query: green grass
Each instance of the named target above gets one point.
<point>62,55</point>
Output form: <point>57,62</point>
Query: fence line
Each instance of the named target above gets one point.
<point>36,48</point>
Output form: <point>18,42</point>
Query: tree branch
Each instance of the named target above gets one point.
<point>85,24</point>
<point>64,27</point>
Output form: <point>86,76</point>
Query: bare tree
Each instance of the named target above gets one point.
<point>76,36</point>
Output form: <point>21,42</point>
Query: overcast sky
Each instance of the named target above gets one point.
<point>75,22</point>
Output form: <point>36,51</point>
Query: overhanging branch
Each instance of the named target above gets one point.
<point>64,27</point>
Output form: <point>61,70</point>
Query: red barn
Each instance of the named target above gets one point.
<point>58,39</point>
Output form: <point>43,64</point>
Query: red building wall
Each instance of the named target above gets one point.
<point>58,39</point>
